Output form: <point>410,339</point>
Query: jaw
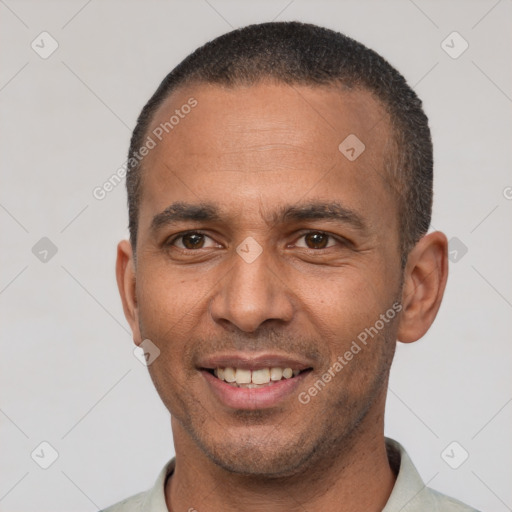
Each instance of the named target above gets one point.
<point>277,442</point>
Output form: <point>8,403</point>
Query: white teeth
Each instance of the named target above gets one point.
<point>254,378</point>
<point>229,374</point>
<point>243,376</point>
<point>287,373</point>
<point>276,373</point>
<point>261,376</point>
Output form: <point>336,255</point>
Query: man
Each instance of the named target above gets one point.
<point>280,190</point>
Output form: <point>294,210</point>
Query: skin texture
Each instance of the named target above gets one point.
<point>251,152</point>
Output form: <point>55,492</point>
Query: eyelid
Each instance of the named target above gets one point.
<point>337,238</point>
<point>170,242</point>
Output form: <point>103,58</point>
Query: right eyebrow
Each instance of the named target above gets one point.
<point>181,211</point>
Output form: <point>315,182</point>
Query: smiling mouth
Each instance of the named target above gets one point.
<point>250,379</point>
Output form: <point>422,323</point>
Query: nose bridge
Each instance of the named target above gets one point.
<point>251,293</point>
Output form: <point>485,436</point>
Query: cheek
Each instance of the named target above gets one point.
<point>342,302</point>
<point>168,315</point>
<point>168,301</point>
<point>346,316</point>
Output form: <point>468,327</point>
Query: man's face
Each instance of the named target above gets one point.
<point>276,251</point>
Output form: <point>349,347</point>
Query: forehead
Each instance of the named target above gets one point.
<point>265,142</point>
<point>267,114</point>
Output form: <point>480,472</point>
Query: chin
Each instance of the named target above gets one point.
<point>259,456</point>
<point>258,464</point>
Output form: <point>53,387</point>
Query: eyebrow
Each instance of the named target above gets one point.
<point>316,210</point>
<point>319,210</point>
<point>181,211</point>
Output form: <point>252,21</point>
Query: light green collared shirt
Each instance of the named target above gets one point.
<point>409,494</point>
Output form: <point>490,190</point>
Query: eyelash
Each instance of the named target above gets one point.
<point>173,239</point>
<point>339,240</point>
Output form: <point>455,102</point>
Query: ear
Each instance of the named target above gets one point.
<point>126,282</point>
<point>425,276</point>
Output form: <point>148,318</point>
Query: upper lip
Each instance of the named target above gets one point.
<point>253,361</point>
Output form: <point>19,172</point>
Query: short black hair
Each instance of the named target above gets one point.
<point>306,54</point>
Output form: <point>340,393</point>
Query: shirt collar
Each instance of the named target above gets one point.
<point>154,500</point>
<point>409,493</point>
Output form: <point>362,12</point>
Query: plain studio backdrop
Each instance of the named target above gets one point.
<point>73,79</point>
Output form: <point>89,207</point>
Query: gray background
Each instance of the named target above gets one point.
<point>68,375</point>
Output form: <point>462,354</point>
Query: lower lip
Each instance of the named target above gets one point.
<point>255,398</point>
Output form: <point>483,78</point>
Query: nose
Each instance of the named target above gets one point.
<point>251,294</point>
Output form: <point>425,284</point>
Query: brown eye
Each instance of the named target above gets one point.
<point>190,240</point>
<point>316,240</point>
<point>193,241</point>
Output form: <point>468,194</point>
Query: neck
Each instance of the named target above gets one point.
<point>358,478</point>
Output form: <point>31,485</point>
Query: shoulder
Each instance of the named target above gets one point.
<point>410,494</point>
<point>132,504</point>
<point>152,500</point>
<point>445,503</point>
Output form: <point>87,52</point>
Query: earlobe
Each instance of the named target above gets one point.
<point>126,283</point>
<point>425,278</point>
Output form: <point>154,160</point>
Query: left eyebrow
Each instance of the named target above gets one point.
<point>321,211</point>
